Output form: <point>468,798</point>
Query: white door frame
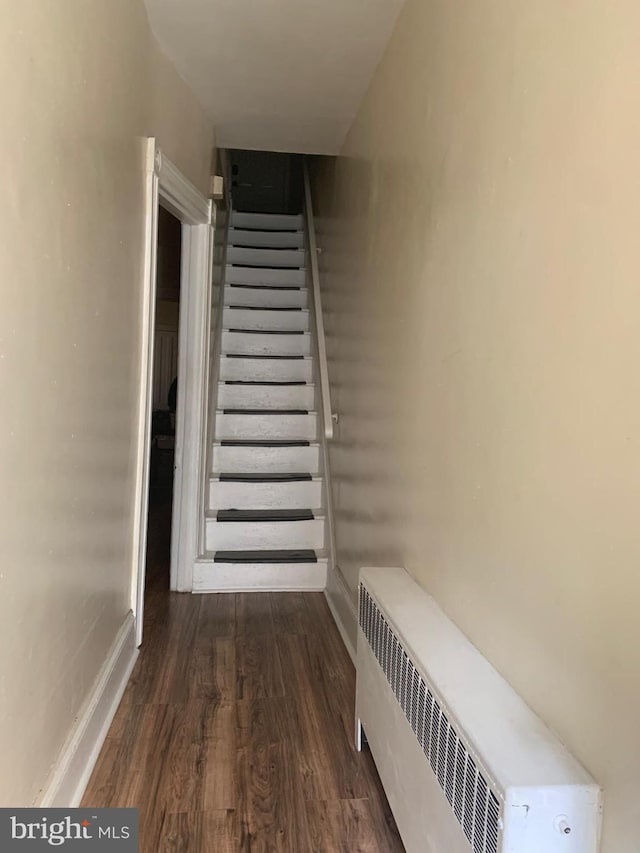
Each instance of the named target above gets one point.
<point>165,184</point>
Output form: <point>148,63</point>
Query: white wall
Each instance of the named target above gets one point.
<point>278,75</point>
<point>481,269</point>
<point>81,84</point>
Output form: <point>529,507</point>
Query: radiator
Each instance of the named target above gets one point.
<point>465,763</point>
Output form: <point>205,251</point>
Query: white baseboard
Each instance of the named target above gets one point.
<point>71,772</point>
<point>343,609</point>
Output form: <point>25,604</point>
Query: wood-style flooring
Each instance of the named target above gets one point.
<point>236,730</point>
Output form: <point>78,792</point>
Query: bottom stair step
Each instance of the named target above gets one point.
<point>230,442</point>
<point>282,556</point>
<point>210,574</point>
<point>265,515</point>
<point>264,478</point>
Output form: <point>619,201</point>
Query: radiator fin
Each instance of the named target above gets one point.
<point>475,805</point>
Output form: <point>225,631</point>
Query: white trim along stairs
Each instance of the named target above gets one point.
<point>265,525</point>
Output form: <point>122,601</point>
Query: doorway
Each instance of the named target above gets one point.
<point>168,192</point>
<point>165,393</point>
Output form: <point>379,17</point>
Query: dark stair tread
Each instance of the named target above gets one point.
<point>301,556</point>
<point>265,230</point>
<point>265,411</point>
<point>265,478</point>
<point>268,248</point>
<point>249,355</point>
<point>266,267</point>
<point>264,515</point>
<point>264,308</point>
<point>264,382</point>
<point>256,442</point>
<point>267,286</point>
<point>268,331</point>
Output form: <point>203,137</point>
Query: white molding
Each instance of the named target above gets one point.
<point>179,195</point>
<point>166,184</point>
<point>71,772</point>
<point>191,421</point>
<point>221,217</point>
<point>143,451</point>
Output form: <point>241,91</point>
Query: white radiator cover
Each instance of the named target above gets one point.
<point>465,763</point>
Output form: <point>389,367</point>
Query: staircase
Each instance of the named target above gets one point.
<point>265,526</point>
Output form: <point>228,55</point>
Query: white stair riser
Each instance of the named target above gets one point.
<point>266,426</point>
<point>266,239</point>
<point>265,257</point>
<point>268,460</point>
<point>267,221</point>
<point>247,318</point>
<point>267,344</point>
<point>258,276</point>
<point>300,494</point>
<point>267,369</point>
<point>238,577</point>
<point>266,396</point>
<point>265,297</point>
<point>264,535</point>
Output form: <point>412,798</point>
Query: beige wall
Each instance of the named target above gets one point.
<point>81,83</point>
<point>482,292</point>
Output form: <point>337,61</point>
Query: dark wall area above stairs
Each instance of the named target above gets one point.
<point>266,181</point>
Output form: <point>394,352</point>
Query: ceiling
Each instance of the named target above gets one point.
<point>276,75</point>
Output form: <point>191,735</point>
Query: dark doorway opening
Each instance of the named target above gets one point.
<point>266,181</point>
<point>163,426</point>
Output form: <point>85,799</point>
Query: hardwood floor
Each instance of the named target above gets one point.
<point>236,730</point>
